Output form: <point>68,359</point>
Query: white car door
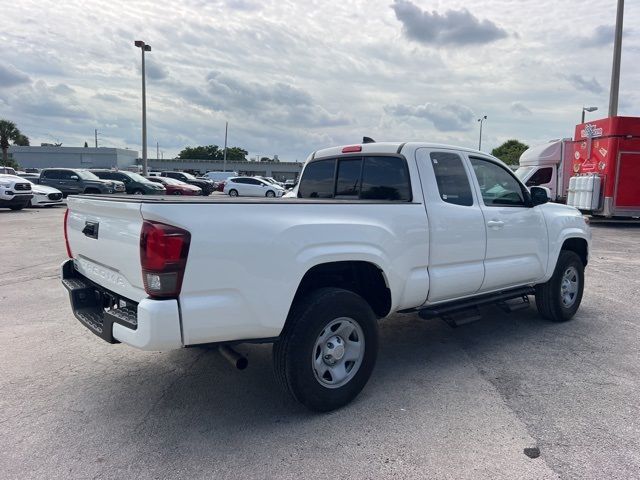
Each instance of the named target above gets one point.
<point>517,239</point>
<point>456,225</point>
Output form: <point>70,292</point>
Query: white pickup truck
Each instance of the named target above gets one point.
<point>373,229</point>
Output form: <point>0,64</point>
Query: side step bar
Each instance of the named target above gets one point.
<point>469,303</point>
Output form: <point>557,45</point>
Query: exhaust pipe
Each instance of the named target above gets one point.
<point>235,358</point>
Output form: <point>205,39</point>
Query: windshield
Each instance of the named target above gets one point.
<point>522,172</point>
<point>188,175</point>
<point>172,181</point>
<point>136,177</point>
<point>83,174</point>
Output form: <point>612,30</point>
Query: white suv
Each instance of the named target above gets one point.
<point>251,187</point>
<point>15,192</point>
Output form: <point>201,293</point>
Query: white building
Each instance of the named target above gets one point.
<point>72,157</point>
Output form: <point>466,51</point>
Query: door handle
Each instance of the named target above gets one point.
<point>495,224</point>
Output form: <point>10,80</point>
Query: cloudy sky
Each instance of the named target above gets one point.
<point>295,76</point>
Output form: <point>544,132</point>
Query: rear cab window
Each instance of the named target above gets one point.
<point>357,177</point>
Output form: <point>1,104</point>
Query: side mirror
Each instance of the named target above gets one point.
<point>540,195</point>
<point>75,177</point>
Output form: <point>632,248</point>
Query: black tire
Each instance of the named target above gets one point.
<point>91,191</point>
<point>29,204</point>
<point>549,295</point>
<point>17,207</point>
<point>270,194</point>
<point>177,192</point>
<point>137,191</point>
<point>293,353</point>
<point>233,192</point>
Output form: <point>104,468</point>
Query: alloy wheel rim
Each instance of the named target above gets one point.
<point>338,352</point>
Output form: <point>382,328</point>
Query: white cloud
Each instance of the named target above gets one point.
<point>291,77</point>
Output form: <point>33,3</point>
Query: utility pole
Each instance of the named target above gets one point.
<point>617,56</point>
<point>95,131</point>
<point>157,150</point>
<point>144,48</point>
<point>224,159</point>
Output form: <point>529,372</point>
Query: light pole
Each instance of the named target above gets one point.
<point>587,109</point>
<point>144,48</point>
<point>481,120</point>
<point>617,55</point>
<point>224,160</point>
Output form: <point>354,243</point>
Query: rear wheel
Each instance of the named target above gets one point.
<point>559,299</point>
<point>138,192</point>
<point>17,207</point>
<point>270,194</point>
<point>177,192</point>
<point>328,349</point>
<point>233,193</point>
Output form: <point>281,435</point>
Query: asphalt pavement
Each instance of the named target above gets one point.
<point>459,403</point>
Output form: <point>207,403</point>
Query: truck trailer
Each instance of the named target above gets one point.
<point>598,171</point>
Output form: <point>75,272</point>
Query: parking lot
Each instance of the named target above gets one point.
<point>442,402</point>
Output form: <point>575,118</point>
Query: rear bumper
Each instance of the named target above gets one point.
<point>148,325</point>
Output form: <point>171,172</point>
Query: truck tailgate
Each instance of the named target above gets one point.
<point>104,238</point>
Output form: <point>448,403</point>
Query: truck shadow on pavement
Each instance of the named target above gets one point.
<point>198,389</point>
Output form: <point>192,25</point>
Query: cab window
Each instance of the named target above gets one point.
<point>541,177</point>
<point>498,186</point>
<point>451,177</point>
<point>318,179</point>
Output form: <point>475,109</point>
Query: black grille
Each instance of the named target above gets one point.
<point>54,196</point>
<point>22,186</point>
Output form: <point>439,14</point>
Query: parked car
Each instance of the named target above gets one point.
<point>44,196</point>
<point>251,187</point>
<point>176,187</point>
<point>31,176</point>
<point>72,181</point>
<point>218,176</point>
<point>378,229</point>
<point>134,183</point>
<point>206,185</point>
<point>32,170</point>
<point>7,170</point>
<point>15,192</point>
<point>288,184</point>
<point>272,181</point>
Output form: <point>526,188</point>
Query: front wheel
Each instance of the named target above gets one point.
<point>559,299</point>
<point>233,193</point>
<point>138,192</point>
<point>17,207</point>
<point>328,349</point>
<point>270,194</point>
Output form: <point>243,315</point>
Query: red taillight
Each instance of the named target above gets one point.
<point>163,257</point>
<point>66,235</point>
<point>352,149</point>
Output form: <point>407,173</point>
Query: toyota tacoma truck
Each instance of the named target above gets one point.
<point>373,229</point>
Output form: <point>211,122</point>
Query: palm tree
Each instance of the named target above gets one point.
<point>9,132</point>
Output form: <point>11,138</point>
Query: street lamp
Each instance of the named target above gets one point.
<point>587,109</point>
<point>144,48</point>
<point>481,120</point>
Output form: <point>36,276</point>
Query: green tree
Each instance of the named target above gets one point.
<point>213,152</point>
<point>509,152</point>
<point>207,152</point>
<point>236,154</point>
<point>22,140</point>
<point>86,145</point>
<point>10,133</point>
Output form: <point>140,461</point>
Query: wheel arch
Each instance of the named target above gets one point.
<point>361,277</point>
<point>579,246</point>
